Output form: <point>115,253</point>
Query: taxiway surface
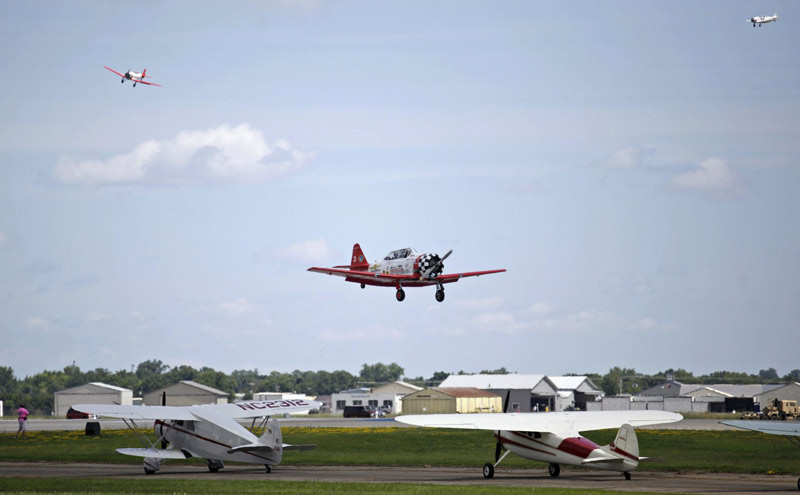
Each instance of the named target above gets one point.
<point>642,481</point>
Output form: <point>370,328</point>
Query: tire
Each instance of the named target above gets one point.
<point>148,471</point>
<point>554,470</point>
<point>627,476</point>
<point>213,469</point>
<point>401,294</point>
<point>267,468</point>
<point>440,295</point>
<point>488,471</point>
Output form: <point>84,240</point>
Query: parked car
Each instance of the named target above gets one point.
<point>359,411</point>
<point>73,414</point>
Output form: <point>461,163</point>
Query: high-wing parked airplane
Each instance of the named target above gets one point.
<point>136,77</point>
<point>790,430</point>
<point>763,19</point>
<point>400,268</point>
<point>210,432</point>
<point>555,437</point>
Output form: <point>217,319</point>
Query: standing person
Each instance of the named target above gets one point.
<point>22,417</point>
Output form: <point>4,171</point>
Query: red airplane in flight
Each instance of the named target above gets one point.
<point>136,77</point>
<point>400,268</point>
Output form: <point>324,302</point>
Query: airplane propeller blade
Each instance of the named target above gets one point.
<point>164,403</point>
<point>505,401</point>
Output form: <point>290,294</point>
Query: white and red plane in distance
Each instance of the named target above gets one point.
<point>136,77</point>
<point>399,269</point>
<point>554,437</point>
<point>210,432</point>
<point>763,19</point>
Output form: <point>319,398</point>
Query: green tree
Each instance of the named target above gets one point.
<point>380,373</point>
<point>769,374</point>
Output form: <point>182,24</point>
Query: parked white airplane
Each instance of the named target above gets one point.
<point>555,437</point>
<point>763,19</point>
<point>209,431</point>
<point>790,430</point>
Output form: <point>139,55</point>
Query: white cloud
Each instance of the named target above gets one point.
<point>360,335</point>
<point>541,308</point>
<point>239,154</point>
<point>715,178</point>
<point>310,251</point>
<point>37,323</point>
<point>628,157</point>
<point>235,308</point>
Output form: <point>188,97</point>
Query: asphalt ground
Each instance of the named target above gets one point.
<point>11,425</point>
<point>642,481</point>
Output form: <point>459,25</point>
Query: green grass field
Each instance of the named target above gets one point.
<point>670,450</point>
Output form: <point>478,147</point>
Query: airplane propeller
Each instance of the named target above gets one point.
<point>498,446</point>
<point>164,403</point>
<point>436,267</point>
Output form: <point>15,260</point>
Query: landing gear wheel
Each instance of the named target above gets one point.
<point>488,471</point>
<point>627,476</point>
<point>267,469</point>
<point>554,470</point>
<point>401,294</point>
<point>798,483</point>
<point>150,471</point>
<point>213,469</point>
<point>440,295</point>
<point>363,285</point>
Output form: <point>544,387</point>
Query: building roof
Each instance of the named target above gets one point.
<point>205,388</point>
<point>464,392</point>
<point>510,381</point>
<point>675,388</point>
<point>98,384</point>
<point>575,383</point>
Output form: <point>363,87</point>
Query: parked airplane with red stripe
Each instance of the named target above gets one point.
<point>400,268</point>
<point>555,437</point>
<point>210,432</point>
<point>136,77</point>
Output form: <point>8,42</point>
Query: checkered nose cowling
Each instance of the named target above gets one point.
<point>429,265</point>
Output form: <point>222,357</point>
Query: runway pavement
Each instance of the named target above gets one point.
<point>10,426</point>
<point>740,484</point>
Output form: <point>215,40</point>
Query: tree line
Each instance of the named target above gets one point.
<point>36,391</point>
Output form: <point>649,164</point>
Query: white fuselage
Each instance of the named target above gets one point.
<point>553,449</point>
<point>208,441</point>
<point>763,19</point>
<point>137,76</point>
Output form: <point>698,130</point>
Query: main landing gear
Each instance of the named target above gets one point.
<point>400,295</point>
<point>627,476</point>
<point>440,295</point>
<point>267,468</point>
<point>215,465</point>
<point>554,470</point>
<point>488,468</point>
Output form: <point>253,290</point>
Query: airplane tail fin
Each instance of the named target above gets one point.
<point>358,261</point>
<point>626,444</point>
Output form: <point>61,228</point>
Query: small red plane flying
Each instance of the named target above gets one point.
<point>136,77</point>
<point>400,268</point>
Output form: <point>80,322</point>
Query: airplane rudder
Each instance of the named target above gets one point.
<point>358,259</point>
<point>626,441</point>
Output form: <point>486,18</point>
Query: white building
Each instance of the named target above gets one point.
<point>387,396</point>
<point>91,393</point>
<point>574,392</point>
<point>526,393</point>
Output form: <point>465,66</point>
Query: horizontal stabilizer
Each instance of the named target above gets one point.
<point>155,453</point>
<point>603,460</point>
<point>250,447</point>
<point>301,448</point>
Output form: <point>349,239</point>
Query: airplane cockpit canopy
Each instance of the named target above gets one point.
<point>399,254</point>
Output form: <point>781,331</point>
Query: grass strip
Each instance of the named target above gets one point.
<point>244,487</point>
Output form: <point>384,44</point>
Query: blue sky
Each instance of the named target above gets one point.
<point>633,165</point>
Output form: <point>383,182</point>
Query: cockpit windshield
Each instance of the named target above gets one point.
<point>399,254</point>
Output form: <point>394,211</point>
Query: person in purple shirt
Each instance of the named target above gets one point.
<point>23,420</point>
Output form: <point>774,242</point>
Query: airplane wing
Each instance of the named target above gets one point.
<point>156,453</point>
<point>454,277</point>
<point>115,72</point>
<point>136,412</point>
<point>564,424</point>
<point>390,279</point>
<point>770,427</point>
<point>145,82</point>
<point>236,410</point>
